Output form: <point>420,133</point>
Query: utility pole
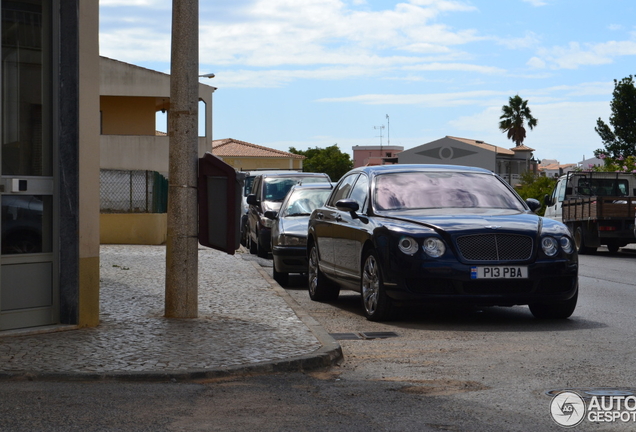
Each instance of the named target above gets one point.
<point>388,130</point>
<point>182,259</point>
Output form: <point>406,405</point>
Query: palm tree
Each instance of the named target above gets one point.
<point>513,118</point>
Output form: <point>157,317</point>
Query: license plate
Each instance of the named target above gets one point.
<point>499,272</point>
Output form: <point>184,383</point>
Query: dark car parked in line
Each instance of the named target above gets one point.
<point>289,232</point>
<point>435,233</point>
<point>247,189</point>
<point>268,193</point>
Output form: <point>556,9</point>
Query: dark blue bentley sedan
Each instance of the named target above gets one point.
<point>400,234</point>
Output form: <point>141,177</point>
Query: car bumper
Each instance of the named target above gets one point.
<point>546,281</point>
<point>290,259</point>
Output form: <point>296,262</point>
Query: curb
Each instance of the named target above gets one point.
<point>328,355</point>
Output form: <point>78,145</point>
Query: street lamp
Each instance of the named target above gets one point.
<point>210,75</point>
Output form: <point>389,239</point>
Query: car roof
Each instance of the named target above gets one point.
<point>254,173</point>
<point>313,186</point>
<point>293,174</point>
<point>383,169</point>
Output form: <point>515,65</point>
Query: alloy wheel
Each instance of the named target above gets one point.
<point>312,271</point>
<point>370,285</point>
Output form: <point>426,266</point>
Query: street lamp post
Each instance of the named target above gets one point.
<point>182,259</point>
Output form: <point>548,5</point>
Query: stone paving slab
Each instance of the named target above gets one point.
<point>246,323</point>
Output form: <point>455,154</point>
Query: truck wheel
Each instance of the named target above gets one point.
<point>579,240</point>
<point>555,310</point>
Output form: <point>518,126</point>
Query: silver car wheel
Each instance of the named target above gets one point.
<point>313,271</point>
<point>370,285</point>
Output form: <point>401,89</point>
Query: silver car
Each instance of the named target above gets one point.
<point>289,231</point>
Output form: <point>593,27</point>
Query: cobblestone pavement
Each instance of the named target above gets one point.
<point>246,323</point>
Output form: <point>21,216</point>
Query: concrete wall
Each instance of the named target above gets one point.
<point>247,164</point>
<point>449,152</point>
<point>134,228</point>
<point>138,152</point>
<point>89,164</point>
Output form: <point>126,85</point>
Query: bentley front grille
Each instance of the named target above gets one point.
<point>495,247</point>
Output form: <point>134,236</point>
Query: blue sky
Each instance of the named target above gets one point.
<point>313,73</point>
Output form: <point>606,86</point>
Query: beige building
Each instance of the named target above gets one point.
<point>130,98</point>
<point>244,156</point>
<point>508,163</point>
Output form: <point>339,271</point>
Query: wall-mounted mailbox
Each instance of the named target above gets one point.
<point>220,189</point>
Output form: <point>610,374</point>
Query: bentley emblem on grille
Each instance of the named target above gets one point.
<point>492,226</point>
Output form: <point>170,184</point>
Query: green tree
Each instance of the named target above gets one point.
<point>537,187</point>
<point>513,118</point>
<point>329,160</point>
<point>620,142</point>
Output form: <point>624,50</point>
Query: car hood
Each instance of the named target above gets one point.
<point>464,223</point>
<point>294,225</point>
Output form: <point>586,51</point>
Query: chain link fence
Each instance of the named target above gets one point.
<point>133,192</point>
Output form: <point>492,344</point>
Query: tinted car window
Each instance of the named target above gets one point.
<point>343,189</point>
<point>276,188</point>
<point>360,191</point>
<point>428,190</point>
<point>247,189</point>
<point>303,202</point>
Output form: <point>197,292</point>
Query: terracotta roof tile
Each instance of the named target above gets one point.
<point>483,145</point>
<point>522,147</point>
<point>230,147</point>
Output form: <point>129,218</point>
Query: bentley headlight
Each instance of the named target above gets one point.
<point>434,247</point>
<point>550,246</point>
<point>288,240</point>
<point>566,245</point>
<point>408,245</point>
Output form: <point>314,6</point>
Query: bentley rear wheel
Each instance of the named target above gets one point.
<point>320,288</point>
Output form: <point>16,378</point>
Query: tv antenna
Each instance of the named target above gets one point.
<point>379,127</point>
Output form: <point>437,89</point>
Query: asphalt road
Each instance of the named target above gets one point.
<point>442,369</point>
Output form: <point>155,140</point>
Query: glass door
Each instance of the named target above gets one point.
<point>28,294</point>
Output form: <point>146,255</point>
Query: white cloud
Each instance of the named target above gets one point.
<point>279,32</point>
<point>575,54</point>
<point>529,40</point>
<point>428,100</point>
<point>536,63</point>
<point>536,2</point>
<point>558,135</point>
<point>144,3</point>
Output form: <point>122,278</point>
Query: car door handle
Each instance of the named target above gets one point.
<point>338,218</point>
<point>319,215</point>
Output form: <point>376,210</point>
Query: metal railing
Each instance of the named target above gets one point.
<point>125,191</point>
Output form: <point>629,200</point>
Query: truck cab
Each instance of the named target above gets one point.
<point>597,207</point>
<point>587,184</point>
